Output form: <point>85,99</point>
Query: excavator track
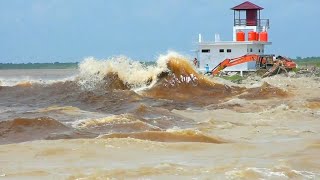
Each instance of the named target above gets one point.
<point>272,70</point>
<point>276,69</point>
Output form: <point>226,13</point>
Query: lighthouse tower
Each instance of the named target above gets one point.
<point>250,35</point>
<point>247,17</point>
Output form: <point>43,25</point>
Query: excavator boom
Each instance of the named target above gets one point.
<point>235,61</point>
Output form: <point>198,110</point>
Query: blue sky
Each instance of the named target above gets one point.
<point>69,30</point>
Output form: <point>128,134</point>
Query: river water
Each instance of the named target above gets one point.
<point>119,119</point>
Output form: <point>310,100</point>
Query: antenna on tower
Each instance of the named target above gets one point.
<point>217,37</point>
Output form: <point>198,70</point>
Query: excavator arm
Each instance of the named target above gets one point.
<point>280,62</point>
<point>235,61</point>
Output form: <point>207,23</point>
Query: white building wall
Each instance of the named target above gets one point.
<point>254,49</point>
<point>214,57</point>
<point>236,51</point>
<point>205,57</point>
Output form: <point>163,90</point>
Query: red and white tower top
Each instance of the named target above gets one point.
<point>247,16</point>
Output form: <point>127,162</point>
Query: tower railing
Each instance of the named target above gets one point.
<point>258,22</point>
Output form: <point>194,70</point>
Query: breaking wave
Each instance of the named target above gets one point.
<point>120,72</point>
<point>123,73</point>
<point>139,96</point>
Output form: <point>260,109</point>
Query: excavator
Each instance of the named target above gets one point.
<point>268,62</point>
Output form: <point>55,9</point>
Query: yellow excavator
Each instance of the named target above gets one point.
<point>268,62</point>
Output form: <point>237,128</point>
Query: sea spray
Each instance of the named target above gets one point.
<point>132,74</point>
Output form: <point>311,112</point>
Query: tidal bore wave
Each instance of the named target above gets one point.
<point>172,77</point>
<point>121,119</point>
<point>122,97</point>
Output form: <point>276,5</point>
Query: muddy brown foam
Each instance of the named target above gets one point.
<point>265,91</point>
<point>161,136</point>
<point>25,129</point>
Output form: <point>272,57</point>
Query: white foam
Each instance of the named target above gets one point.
<point>307,174</point>
<point>28,79</point>
<point>132,73</point>
<point>270,174</point>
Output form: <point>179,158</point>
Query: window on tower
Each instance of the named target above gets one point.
<point>221,50</point>
<point>205,50</point>
<point>228,50</point>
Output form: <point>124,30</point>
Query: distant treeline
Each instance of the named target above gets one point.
<point>149,63</point>
<point>313,58</point>
<point>308,61</point>
<point>55,65</point>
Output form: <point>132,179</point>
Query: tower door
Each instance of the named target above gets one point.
<point>251,17</point>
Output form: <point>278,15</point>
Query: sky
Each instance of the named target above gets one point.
<point>68,31</point>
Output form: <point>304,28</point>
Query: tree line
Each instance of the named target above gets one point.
<point>55,65</point>
<point>312,58</point>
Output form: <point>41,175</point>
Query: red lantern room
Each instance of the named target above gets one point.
<point>251,16</point>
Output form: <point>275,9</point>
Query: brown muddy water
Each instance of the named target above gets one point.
<point>119,119</point>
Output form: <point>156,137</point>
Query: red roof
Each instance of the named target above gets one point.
<point>247,6</point>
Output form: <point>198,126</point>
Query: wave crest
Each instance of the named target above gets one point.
<point>24,129</point>
<point>168,136</point>
<point>122,71</point>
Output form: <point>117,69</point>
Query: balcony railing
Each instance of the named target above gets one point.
<point>258,22</point>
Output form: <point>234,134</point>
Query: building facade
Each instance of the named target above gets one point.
<point>249,37</point>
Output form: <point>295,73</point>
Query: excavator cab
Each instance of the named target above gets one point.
<point>265,61</point>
